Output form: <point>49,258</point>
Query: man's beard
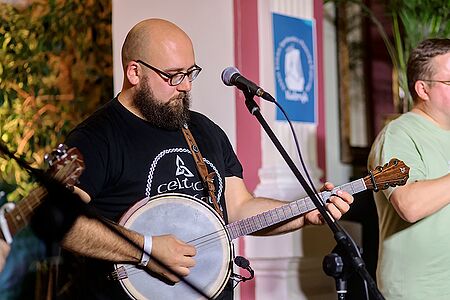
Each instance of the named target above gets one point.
<point>170,115</point>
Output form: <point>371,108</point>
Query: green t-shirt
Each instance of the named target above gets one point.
<point>414,259</point>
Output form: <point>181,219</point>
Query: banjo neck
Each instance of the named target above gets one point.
<point>393,173</point>
<point>288,211</point>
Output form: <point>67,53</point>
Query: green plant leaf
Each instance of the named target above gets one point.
<point>46,54</point>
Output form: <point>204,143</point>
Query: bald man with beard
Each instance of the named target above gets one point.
<point>133,147</point>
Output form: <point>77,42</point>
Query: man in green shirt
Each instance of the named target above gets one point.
<point>414,220</point>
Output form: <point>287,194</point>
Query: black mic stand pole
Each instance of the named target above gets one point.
<point>340,236</point>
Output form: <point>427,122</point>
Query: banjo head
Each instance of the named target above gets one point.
<point>193,222</point>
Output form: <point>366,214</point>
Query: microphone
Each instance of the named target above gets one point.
<point>231,76</point>
<point>243,263</point>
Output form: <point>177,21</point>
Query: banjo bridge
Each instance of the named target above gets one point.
<point>118,274</point>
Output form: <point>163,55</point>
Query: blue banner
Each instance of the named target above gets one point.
<point>295,67</point>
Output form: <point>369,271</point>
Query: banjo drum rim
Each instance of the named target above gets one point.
<point>229,249</point>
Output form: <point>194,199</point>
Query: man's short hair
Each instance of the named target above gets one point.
<point>419,62</point>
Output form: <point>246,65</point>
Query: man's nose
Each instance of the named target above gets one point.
<point>185,85</point>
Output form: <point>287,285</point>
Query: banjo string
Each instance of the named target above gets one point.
<point>220,234</point>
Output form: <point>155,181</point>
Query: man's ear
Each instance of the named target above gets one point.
<point>422,89</point>
<point>133,72</point>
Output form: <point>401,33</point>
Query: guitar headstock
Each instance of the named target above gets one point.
<point>66,165</point>
<point>392,174</point>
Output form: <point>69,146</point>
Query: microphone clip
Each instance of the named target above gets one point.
<point>243,263</point>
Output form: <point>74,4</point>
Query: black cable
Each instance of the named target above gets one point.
<point>297,145</point>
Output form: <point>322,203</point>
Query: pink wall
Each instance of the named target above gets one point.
<point>318,16</point>
<point>248,132</point>
<point>246,49</point>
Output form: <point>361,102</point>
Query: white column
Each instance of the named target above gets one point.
<point>287,266</point>
<point>274,174</point>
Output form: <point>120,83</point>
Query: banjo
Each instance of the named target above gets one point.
<point>196,223</point>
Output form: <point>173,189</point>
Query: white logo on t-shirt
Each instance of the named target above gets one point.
<point>182,169</point>
<point>167,184</point>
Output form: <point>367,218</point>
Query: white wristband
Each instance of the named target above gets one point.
<point>148,243</point>
<point>7,207</point>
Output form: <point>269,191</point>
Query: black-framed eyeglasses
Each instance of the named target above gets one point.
<point>177,78</point>
<point>446,82</point>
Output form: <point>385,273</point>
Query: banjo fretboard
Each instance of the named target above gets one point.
<point>287,211</point>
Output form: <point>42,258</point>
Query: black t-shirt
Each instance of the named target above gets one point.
<point>127,159</point>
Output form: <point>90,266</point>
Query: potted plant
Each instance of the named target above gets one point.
<point>55,68</point>
<point>412,22</point>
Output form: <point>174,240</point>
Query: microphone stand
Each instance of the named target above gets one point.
<point>342,239</point>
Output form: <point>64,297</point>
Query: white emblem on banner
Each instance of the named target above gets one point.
<point>293,72</point>
<point>291,75</point>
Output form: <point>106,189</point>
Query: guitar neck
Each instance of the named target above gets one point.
<point>66,167</point>
<point>20,216</point>
<point>287,211</point>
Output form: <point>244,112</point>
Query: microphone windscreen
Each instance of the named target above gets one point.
<point>241,262</point>
<point>228,73</point>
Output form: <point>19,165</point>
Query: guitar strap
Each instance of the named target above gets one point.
<point>207,178</point>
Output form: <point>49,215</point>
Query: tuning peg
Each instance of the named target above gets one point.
<point>56,154</point>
